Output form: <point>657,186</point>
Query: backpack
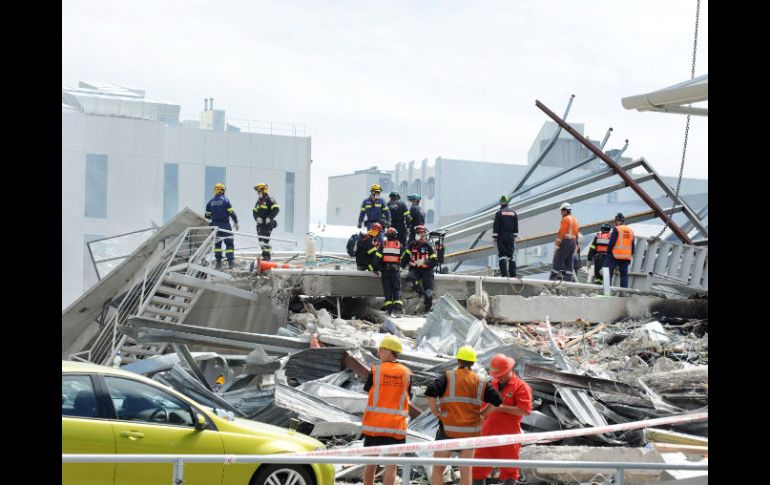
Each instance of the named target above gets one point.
<point>352,244</point>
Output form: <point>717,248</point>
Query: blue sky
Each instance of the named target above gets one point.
<point>379,82</point>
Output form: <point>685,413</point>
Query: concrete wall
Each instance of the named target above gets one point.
<point>136,152</point>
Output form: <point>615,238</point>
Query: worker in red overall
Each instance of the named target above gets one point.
<point>503,419</point>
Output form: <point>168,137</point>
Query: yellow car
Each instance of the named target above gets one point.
<point>106,410</point>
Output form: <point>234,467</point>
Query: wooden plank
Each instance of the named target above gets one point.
<point>598,328</point>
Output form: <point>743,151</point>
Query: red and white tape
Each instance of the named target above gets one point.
<point>506,439</point>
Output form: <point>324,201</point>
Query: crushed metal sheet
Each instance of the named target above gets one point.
<point>311,364</point>
<point>530,371</point>
<point>182,381</point>
<point>350,401</point>
<point>311,408</point>
<point>157,363</point>
<point>449,326</point>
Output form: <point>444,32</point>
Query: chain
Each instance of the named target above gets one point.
<point>687,126</point>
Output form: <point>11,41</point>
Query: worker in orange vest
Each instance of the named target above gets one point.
<point>597,252</point>
<point>504,419</point>
<point>565,244</point>
<point>391,272</point>
<point>461,393</point>
<point>387,410</point>
<point>620,249</point>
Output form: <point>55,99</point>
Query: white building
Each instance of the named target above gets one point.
<point>126,169</point>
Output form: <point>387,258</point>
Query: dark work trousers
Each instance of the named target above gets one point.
<point>263,231</point>
<point>391,285</point>
<point>598,263</point>
<point>563,260</point>
<point>401,234</point>
<point>505,251</point>
<point>422,281</point>
<point>622,266</point>
<point>227,238</point>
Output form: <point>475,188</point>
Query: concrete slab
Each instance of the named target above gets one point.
<point>408,325</point>
<point>514,308</point>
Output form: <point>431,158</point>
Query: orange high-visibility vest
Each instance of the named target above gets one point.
<point>461,404</point>
<point>391,252</point>
<point>622,248</point>
<point>602,242</point>
<point>568,228</point>
<point>388,407</point>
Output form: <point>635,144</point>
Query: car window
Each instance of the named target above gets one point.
<point>77,397</point>
<point>137,401</point>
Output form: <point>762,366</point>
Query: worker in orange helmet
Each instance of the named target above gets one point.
<point>503,419</point>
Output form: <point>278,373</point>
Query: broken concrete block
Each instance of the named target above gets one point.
<point>656,331</point>
<point>409,326</point>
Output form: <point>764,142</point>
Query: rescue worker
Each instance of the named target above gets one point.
<point>504,419</point>
<point>421,259</point>
<point>565,245</point>
<point>264,214</point>
<point>219,211</point>
<point>374,209</point>
<point>391,272</point>
<point>399,215</point>
<point>461,393</point>
<point>620,249</point>
<point>597,252</point>
<point>368,255</point>
<point>504,232</point>
<point>389,386</point>
<point>416,215</point>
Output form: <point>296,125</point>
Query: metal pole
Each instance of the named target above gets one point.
<point>179,472</point>
<point>621,476</point>
<point>627,178</point>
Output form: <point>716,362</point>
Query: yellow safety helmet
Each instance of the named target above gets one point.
<point>391,342</point>
<point>221,379</point>
<point>261,186</point>
<point>376,188</point>
<point>466,352</point>
<point>220,187</point>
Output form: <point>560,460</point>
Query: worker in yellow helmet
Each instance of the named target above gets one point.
<point>387,410</point>
<point>374,209</point>
<point>219,211</point>
<point>460,394</point>
<point>264,214</point>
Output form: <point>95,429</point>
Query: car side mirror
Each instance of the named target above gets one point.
<point>200,422</point>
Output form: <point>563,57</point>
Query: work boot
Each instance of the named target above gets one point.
<point>231,263</point>
<point>428,304</point>
<point>512,269</point>
<point>396,310</point>
<point>219,263</point>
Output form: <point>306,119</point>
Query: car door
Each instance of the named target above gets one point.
<point>85,428</point>
<point>152,420</point>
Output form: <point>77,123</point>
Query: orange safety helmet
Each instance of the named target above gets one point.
<point>500,365</point>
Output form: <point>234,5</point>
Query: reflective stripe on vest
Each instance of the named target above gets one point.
<point>622,248</point>
<point>391,252</point>
<point>461,409</point>
<point>391,420</point>
<point>602,241</point>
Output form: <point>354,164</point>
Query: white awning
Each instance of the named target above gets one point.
<point>673,99</point>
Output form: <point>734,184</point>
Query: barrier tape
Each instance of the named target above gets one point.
<point>501,440</point>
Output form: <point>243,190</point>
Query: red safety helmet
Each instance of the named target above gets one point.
<point>500,365</point>
<point>376,227</point>
<point>391,232</point>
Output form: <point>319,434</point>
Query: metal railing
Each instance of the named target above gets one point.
<point>179,461</point>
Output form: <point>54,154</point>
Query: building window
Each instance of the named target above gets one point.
<point>385,184</point>
<point>417,186</point>
<point>289,202</point>
<point>170,191</point>
<point>404,188</point>
<point>214,175</point>
<point>430,188</point>
<point>96,186</point>
<point>90,278</point>
<point>429,216</point>
<point>612,198</point>
<point>337,211</point>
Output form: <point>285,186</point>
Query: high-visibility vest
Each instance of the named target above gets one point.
<point>602,242</point>
<point>388,406</point>
<point>572,230</point>
<point>461,404</point>
<point>622,248</point>
<point>391,252</point>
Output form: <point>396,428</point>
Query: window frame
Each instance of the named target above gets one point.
<point>102,411</point>
<point>192,408</point>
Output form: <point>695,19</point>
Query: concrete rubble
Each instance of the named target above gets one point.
<point>590,360</point>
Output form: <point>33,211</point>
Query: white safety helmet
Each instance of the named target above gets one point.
<point>566,205</point>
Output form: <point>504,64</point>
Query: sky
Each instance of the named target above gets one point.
<point>381,82</point>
